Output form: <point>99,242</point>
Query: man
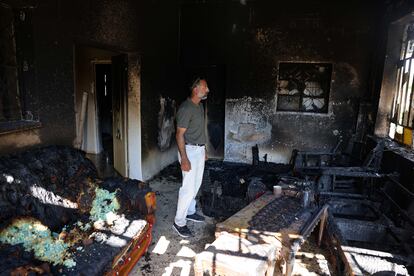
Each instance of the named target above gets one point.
<point>191,140</point>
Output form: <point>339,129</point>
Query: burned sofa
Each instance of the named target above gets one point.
<point>58,217</point>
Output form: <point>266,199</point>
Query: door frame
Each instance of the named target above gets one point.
<point>132,105</point>
<point>133,117</point>
<point>120,80</point>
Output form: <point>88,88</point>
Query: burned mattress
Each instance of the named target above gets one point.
<point>60,218</point>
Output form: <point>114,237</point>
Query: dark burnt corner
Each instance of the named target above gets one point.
<point>9,127</point>
<point>309,124</point>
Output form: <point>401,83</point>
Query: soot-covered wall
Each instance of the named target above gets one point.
<point>147,29</point>
<point>174,54</point>
<point>263,35</point>
<point>57,26</point>
<point>245,39</point>
<point>161,89</point>
<point>250,38</point>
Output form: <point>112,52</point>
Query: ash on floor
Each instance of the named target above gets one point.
<point>314,260</point>
<point>169,254</point>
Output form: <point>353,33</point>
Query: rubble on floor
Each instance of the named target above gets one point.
<point>166,253</point>
<point>228,187</point>
<point>360,236</point>
<point>356,225</point>
<point>367,240</point>
<point>169,254</point>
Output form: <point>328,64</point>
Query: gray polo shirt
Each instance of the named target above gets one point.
<point>191,117</point>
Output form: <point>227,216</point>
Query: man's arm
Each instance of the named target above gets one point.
<point>179,136</point>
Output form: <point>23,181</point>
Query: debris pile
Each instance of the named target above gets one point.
<point>57,211</point>
<point>277,214</point>
<point>228,187</point>
<point>52,184</point>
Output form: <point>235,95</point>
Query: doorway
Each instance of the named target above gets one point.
<point>107,109</point>
<point>101,105</point>
<point>103,84</point>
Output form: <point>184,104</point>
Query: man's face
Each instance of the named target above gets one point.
<point>202,90</point>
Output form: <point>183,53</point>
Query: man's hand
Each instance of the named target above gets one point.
<point>179,136</point>
<point>185,165</point>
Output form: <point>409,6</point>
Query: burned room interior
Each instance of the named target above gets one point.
<point>309,126</point>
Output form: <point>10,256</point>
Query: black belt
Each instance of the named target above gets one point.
<point>198,145</point>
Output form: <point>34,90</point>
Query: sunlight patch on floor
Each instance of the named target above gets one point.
<point>184,265</point>
<point>186,252</point>
<point>161,246</point>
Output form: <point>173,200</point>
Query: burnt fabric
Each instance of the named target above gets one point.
<point>96,259</point>
<point>130,192</point>
<point>13,257</point>
<point>36,182</point>
<point>57,186</point>
<point>93,259</point>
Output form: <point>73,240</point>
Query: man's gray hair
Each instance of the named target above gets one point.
<point>196,82</point>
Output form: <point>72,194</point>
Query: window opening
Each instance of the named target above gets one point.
<point>10,109</point>
<point>304,87</point>
<point>401,123</point>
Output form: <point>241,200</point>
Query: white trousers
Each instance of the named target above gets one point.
<point>191,183</point>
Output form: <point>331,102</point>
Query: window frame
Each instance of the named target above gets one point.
<point>402,110</point>
<point>11,109</point>
<point>21,42</point>
<point>325,95</point>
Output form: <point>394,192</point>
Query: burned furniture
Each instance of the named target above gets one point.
<point>341,179</point>
<point>228,187</point>
<point>367,224</point>
<point>59,218</point>
<point>279,221</point>
<point>302,160</point>
<point>366,240</point>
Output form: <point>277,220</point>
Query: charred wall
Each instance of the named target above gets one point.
<point>204,47</point>
<point>161,89</point>
<point>189,41</point>
<point>148,29</point>
<point>57,27</point>
<point>264,35</point>
<point>246,40</point>
<point>251,38</point>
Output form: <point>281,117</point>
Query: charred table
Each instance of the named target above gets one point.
<point>367,241</point>
<point>280,221</point>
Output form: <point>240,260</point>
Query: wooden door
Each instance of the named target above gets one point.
<point>119,102</point>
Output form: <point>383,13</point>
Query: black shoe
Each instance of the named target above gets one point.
<point>182,231</point>
<point>196,217</point>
